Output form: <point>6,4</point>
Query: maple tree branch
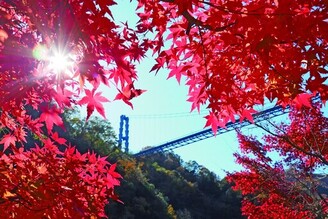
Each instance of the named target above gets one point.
<point>224,9</point>
<point>231,11</point>
<point>309,188</point>
<point>204,51</point>
<point>315,139</point>
<point>293,144</point>
<point>277,72</point>
<point>26,204</point>
<point>194,21</point>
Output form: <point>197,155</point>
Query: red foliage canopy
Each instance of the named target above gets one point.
<point>48,183</point>
<point>234,54</point>
<point>289,187</point>
<point>48,50</point>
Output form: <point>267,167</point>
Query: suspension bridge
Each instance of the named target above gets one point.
<point>200,135</point>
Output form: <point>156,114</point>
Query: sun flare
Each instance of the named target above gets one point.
<point>56,61</point>
<point>60,63</point>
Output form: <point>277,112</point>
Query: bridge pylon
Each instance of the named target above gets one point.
<point>124,136</point>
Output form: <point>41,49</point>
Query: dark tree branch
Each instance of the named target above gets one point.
<point>293,144</point>
<point>192,21</point>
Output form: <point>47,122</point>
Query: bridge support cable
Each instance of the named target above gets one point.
<point>207,133</point>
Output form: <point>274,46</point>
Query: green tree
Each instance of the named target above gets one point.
<point>95,133</point>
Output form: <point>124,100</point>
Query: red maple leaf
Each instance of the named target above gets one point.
<point>303,100</point>
<point>112,172</point>
<point>50,115</point>
<point>20,133</point>
<point>7,140</point>
<point>93,100</point>
<point>62,96</point>
<point>247,113</point>
<point>92,158</point>
<point>58,139</point>
<point>128,93</point>
<point>211,120</point>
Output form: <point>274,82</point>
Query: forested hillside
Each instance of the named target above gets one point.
<point>163,186</point>
<point>157,186</point>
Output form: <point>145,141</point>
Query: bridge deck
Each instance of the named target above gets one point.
<point>207,133</point>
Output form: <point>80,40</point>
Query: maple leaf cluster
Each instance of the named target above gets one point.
<point>54,55</point>
<point>45,182</point>
<point>289,186</point>
<point>236,54</point>
<point>32,33</point>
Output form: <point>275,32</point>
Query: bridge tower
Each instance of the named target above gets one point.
<point>124,126</point>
